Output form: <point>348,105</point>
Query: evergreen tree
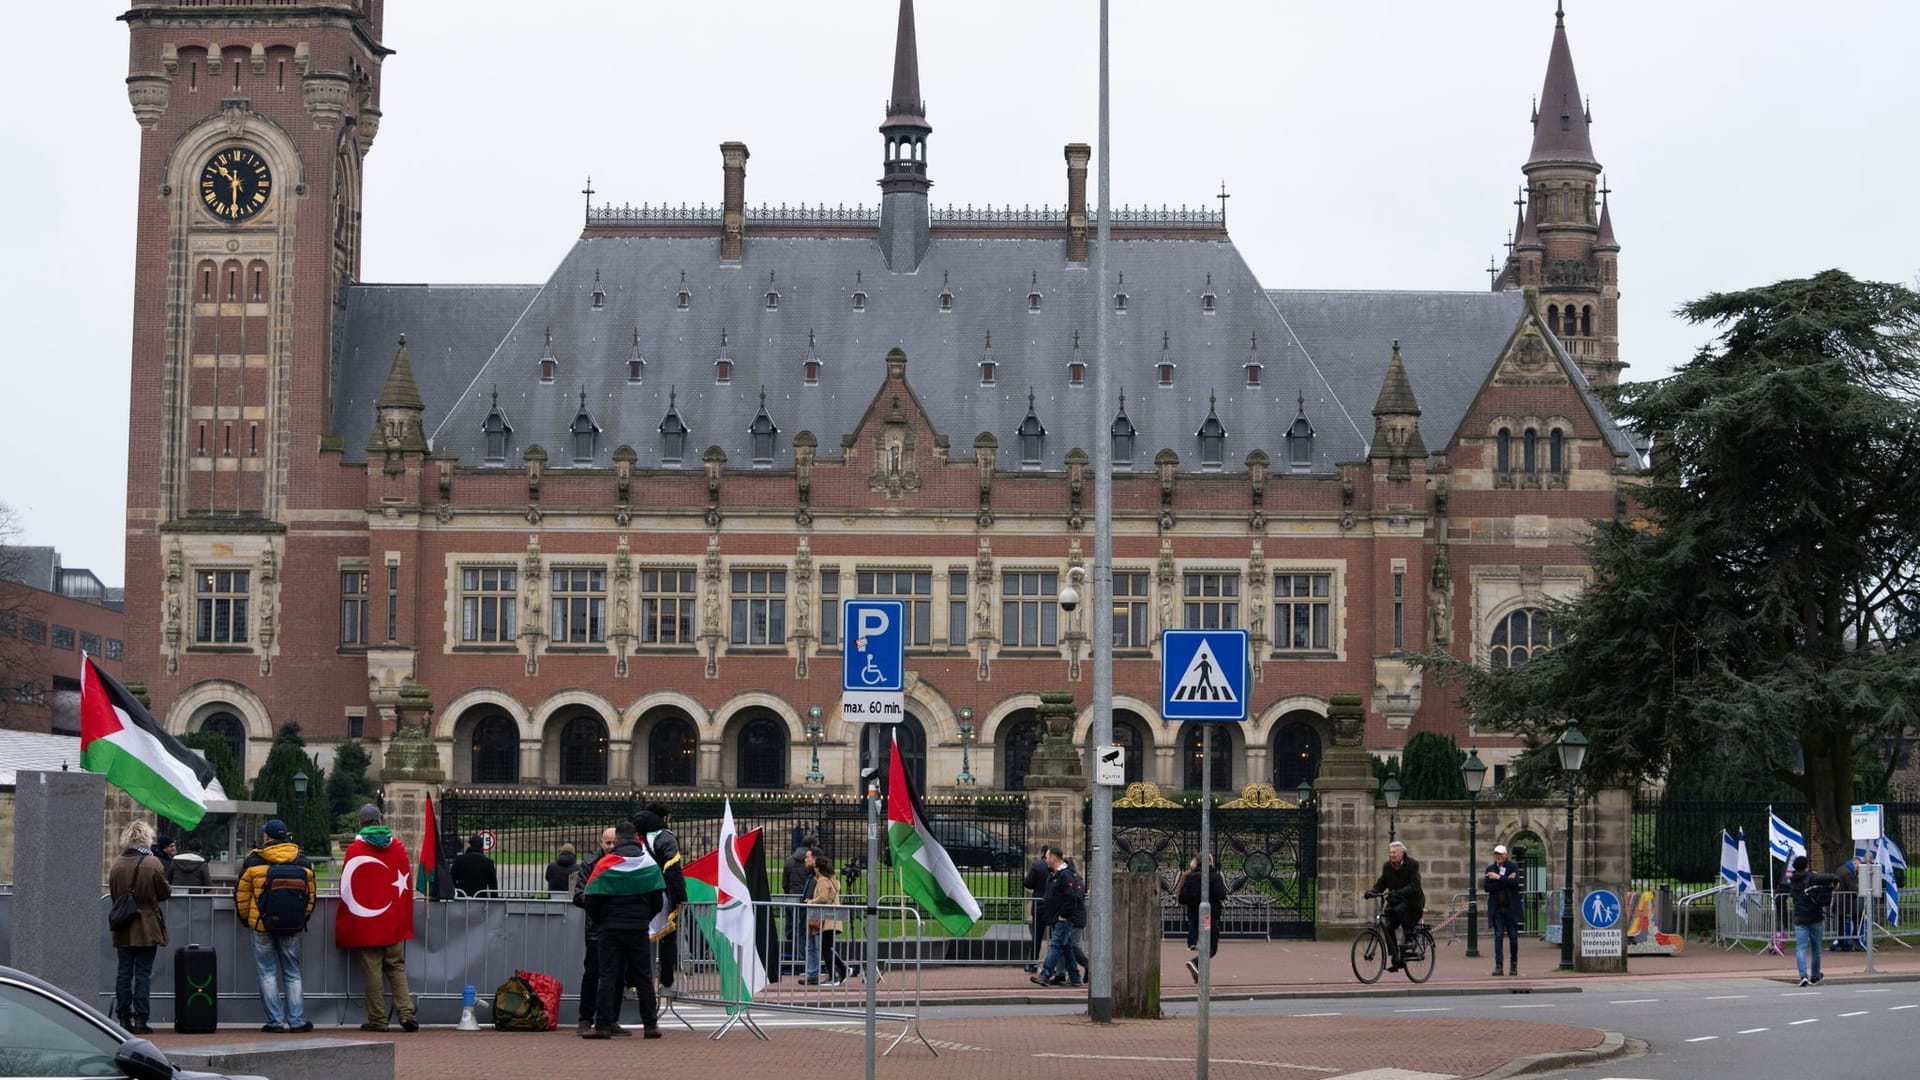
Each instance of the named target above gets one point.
<point>214,748</point>
<point>1769,597</point>
<point>348,787</point>
<point>1432,769</point>
<point>310,820</point>
<point>1384,768</point>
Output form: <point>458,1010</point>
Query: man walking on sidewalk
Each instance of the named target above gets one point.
<point>1502,883</point>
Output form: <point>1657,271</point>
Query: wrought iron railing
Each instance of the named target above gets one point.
<point>648,214</point>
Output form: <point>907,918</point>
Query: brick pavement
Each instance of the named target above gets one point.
<point>1003,1047</point>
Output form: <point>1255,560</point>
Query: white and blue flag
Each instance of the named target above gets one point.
<point>1749,892</point>
<point>1887,854</point>
<point>1783,840</point>
<point>1730,870</point>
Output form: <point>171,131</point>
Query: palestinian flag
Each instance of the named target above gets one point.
<point>740,940</point>
<point>120,739</point>
<point>429,854</point>
<point>626,875</point>
<point>926,870</point>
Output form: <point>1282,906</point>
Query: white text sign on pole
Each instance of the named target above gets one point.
<point>873,677</point>
<point>1866,821</point>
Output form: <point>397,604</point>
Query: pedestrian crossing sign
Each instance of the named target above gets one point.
<point>1203,675</point>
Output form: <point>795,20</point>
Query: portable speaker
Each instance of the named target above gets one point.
<point>196,997</point>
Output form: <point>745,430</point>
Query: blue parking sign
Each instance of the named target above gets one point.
<point>873,672</point>
<point>1203,675</point>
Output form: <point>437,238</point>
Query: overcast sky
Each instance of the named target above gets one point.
<point>1366,145</point>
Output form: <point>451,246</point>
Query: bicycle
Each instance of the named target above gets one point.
<point>1370,948</point>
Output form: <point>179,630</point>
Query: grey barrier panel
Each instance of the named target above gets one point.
<point>58,818</point>
<point>6,924</point>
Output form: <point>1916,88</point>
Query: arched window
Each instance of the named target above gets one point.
<point>1020,736</point>
<point>1556,452</point>
<point>762,754</point>
<point>496,750</point>
<point>1570,321</point>
<point>673,752</point>
<point>1503,451</point>
<point>1521,636</point>
<point>583,751</point>
<point>1586,320</point>
<point>1529,453</point>
<point>229,727</point>
<point>1296,755</point>
<point>913,751</point>
<point>1553,316</point>
<point>1190,738</point>
<point>206,281</point>
<point>256,282</point>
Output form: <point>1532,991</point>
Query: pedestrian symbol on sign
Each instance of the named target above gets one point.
<point>1202,680</point>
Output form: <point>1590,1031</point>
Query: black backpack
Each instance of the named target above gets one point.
<point>283,898</point>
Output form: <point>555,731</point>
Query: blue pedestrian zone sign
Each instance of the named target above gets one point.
<point>1600,909</point>
<point>1203,675</point>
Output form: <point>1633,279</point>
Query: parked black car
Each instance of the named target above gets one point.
<point>49,1032</point>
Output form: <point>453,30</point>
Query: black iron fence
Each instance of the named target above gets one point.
<point>1676,841</point>
<point>524,827</point>
<point>1267,856</point>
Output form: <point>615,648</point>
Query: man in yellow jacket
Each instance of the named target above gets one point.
<point>274,898</point>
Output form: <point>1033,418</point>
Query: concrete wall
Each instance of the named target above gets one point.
<point>120,810</point>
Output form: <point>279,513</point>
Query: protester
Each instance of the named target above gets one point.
<point>379,940</point>
<point>473,872</point>
<point>1811,893</point>
<point>1036,884</point>
<point>590,971</point>
<point>655,831</point>
<point>190,867</point>
<point>1187,890</point>
<point>1063,907</point>
<point>136,874</point>
<point>560,870</point>
<point>824,924</point>
<point>795,880</point>
<point>274,899</point>
<point>1846,898</point>
<point>163,850</point>
<point>1502,883</point>
<point>1406,900</point>
<point>624,894</point>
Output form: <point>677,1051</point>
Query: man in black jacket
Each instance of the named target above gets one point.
<point>1036,886</point>
<point>796,878</point>
<point>1063,907</point>
<point>1406,900</point>
<point>590,971</point>
<point>1503,883</point>
<point>1188,893</point>
<point>623,919</point>
<point>1811,894</point>
<point>653,826</point>
<point>473,872</point>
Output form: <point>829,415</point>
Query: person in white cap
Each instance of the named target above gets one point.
<point>1503,885</point>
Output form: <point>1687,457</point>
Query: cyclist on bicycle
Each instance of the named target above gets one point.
<point>1400,881</point>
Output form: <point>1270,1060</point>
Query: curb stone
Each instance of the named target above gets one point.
<point>1255,995</point>
<point>1612,1045</point>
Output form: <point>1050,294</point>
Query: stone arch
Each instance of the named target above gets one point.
<point>628,726</point>
<point>1295,749</point>
<point>1000,710</point>
<point>1233,757</point>
<point>743,716</point>
<point>1148,714</point>
<point>936,715</point>
<point>482,727</point>
<point>573,753</point>
<point>448,718</point>
<point>223,699</point>
<point>1260,731</point>
<point>667,752</point>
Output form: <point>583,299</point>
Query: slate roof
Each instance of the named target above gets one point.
<point>35,750</point>
<point>464,342</point>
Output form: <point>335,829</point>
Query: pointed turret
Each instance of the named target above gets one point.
<point>1606,241</point>
<point>1529,234</point>
<point>1396,420</point>
<point>399,428</point>
<point>1560,119</point>
<point>904,224</point>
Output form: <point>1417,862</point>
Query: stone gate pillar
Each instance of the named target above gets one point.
<point>1346,849</point>
<point>411,769</point>
<point>1057,784</point>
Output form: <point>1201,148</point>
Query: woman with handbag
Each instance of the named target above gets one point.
<point>138,886</point>
<point>822,925</point>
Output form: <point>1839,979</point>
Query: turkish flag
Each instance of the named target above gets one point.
<point>376,896</point>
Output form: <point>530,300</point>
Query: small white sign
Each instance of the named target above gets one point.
<point>1602,942</point>
<point>1866,821</point>
<point>1110,765</point>
<point>872,707</point>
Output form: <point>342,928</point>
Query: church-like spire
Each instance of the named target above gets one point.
<point>905,228</point>
<point>1396,420</point>
<point>401,391</point>
<point>1606,241</point>
<point>1560,117</point>
<point>905,103</point>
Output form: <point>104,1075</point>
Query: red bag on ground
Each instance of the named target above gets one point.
<point>548,989</point>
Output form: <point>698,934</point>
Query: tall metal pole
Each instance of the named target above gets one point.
<point>1473,890</point>
<point>1566,904</point>
<point>1100,992</point>
<point>871,972</point>
<point>1205,940</point>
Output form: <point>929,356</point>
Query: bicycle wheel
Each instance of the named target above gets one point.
<point>1369,956</point>
<point>1422,969</point>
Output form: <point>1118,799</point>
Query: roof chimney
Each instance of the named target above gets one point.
<point>1077,156</point>
<point>733,199</point>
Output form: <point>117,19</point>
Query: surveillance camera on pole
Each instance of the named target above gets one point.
<point>1070,593</point>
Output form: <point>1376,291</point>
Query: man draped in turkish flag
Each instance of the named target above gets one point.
<point>375,918</point>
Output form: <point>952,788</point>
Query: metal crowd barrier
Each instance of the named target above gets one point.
<point>895,971</point>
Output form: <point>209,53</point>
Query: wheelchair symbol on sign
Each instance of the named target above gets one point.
<point>871,674</point>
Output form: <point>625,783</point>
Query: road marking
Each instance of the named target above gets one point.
<point>1724,997</point>
<point>1797,1023</point>
<point>1441,1009</point>
<point>1546,1006</point>
<point>1801,993</point>
<point>1704,1038</point>
<point>1880,990</point>
<point>1315,1014</point>
<point>1862,1012</point>
<point>1750,1031</point>
<point>1633,1001</point>
<point>1224,1061</point>
<point>1897,1008</point>
<point>1390,1074</point>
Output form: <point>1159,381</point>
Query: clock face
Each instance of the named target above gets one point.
<point>235,184</point>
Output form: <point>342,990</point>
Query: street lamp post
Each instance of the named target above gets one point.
<point>815,732</point>
<point>299,799</point>
<point>1305,791</point>
<point>1572,748</point>
<point>1391,790</point>
<point>966,777</point>
<point>1475,774</point>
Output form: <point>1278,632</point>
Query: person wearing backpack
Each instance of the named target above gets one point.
<point>274,898</point>
<point>1188,893</point>
<point>1811,894</point>
<point>137,879</point>
<point>1063,908</point>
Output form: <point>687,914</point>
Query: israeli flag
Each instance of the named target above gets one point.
<point>1730,870</point>
<point>1889,859</point>
<point>1894,853</point>
<point>1783,840</point>
<point>1749,892</point>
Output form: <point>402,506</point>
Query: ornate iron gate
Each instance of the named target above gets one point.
<point>1265,848</point>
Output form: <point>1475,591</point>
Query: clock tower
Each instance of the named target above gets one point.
<point>254,120</point>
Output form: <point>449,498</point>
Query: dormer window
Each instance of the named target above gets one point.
<point>548,368</point>
<point>1033,302</point>
<point>773,300</point>
<point>810,371</point>
<point>1253,372</point>
<point>1166,372</point>
<point>1120,303</point>
<point>683,300</point>
<point>673,433</point>
<point>495,429</point>
<point>599,293</point>
<point>1300,439</point>
<point>1213,438</point>
<point>946,301</point>
<point>1077,373</point>
<point>1122,433</point>
<point>1032,435</point>
<point>586,433</point>
<point>859,301</point>
<point>1206,303</point>
<point>988,372</point>
<point>762,433</point>
<point>636,369</point>
<point>723,370</point>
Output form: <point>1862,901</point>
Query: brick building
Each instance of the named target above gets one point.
<point>602,519</point>
<point>49,615</point>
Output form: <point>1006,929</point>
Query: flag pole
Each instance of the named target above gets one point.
<point>872,970</point>
<point>1100,593</point>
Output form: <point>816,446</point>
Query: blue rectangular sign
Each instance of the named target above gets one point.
<point>875,646</point>
<point>1203,675</point>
